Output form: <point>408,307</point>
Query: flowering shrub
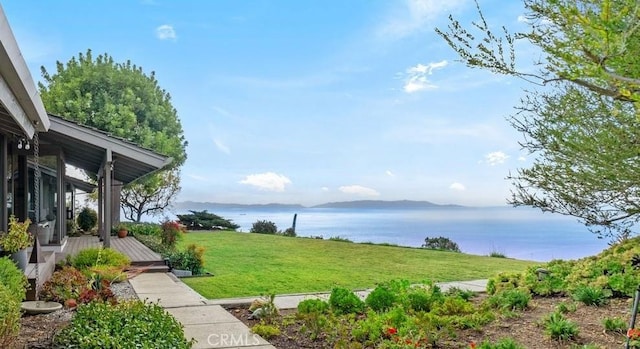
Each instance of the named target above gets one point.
<point>171,231</point>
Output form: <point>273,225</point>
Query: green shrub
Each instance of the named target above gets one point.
<point>9,316</point>
<point>13,279</point>
<point>267,309</point>
<point>590,295</point>
<point>454,306</point>
<point>458,292</point>
<point>95,256</point>
<point>87,219</point>
<point>503,281</point>
<point>64,284</point>
<point>309,306</point>
<point>559,328</point>
<point>614,325</point>
<point>137,229</point>
<point>131,324</point>
<point>264,227</point>
<point>565,308</point>
<point>154,243</point>
<point>203,220</point>
<point>289,232</point>
<point>549,279</point>
<point>496,254</point>
<point>510,300</point>
<point>190,258</point>
<point>343,301</point>
<point>339,239</point>
<point>380,299</point>
<point>440,243</point>
<point>315,323</point>
<point>13,286</point>
<point>265,331</point>
<point>419,300</point>
<point>505,343</point>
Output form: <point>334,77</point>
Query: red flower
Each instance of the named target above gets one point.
<point>391,331</point>
<point>633,333</point>
<point>472,345</point>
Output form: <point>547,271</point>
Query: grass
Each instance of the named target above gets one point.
<point>255,264</point>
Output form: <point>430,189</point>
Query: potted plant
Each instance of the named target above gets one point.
<point>122,231</point>
<point>16,241</point>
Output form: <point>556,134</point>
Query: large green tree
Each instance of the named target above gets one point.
<point>121,99</point>
<point>581,121</point>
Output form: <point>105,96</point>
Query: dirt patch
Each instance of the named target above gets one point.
<point>37,331</point>
<point>525,328</point>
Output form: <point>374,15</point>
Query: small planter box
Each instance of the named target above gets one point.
<point>180,272</point>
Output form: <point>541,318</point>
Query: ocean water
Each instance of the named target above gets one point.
<point>521,233</point>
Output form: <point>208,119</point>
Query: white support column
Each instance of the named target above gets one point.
<point>100,207</point>
<point>4,192</point>
<point>107,198</point>
<point>61,214</point>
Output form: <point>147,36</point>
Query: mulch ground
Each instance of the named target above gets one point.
<point>525,328</point>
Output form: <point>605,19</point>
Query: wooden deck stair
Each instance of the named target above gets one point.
<point>140,255</point>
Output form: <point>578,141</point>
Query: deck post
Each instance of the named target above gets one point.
<point>107,198</point>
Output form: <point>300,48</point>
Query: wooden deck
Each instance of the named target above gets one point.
<point>139,254</point>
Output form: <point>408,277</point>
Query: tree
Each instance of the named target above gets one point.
<point>203,220</point>
<point>582,121</point>
<point>121,99</point>
<point>150,196</point>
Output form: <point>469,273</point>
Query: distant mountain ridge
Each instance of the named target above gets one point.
<point>404,204</point>
<point>371,204</point>
<point>197,205</point>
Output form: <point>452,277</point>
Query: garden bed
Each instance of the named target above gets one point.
<point>525,327</point>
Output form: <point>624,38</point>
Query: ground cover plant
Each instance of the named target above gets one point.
<point>442,319</point>
<point>130,324</point>
<point>252,264</point>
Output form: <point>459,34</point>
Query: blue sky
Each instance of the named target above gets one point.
<point>307,101</point>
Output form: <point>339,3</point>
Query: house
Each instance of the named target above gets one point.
<point>35,148</point>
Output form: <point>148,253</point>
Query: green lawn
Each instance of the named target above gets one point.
<point>254,264</point>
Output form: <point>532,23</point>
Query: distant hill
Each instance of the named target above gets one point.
<point>381,204</point>
<point>199,206</point>
<point>371,204</point>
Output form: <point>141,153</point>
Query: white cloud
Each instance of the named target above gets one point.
<point>390,174</point>
<point>457,186</point>
<point>416,77</point>
<point>268,181</point>
<point>358,190</point>
<point>221,146</point>
<point>495,158</point>
<point>416,15</point>
<point>522,19</point>
<point>522,158</point>
<point>324,189</point>
<point>166,32</point>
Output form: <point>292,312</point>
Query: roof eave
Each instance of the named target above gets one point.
<point>19,92</point>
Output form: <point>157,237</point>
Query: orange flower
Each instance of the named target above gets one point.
<point>633,333</point>
<point>472,345</point>
<point>391,331</point>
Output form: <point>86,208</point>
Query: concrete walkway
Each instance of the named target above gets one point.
<point>211,325</point>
